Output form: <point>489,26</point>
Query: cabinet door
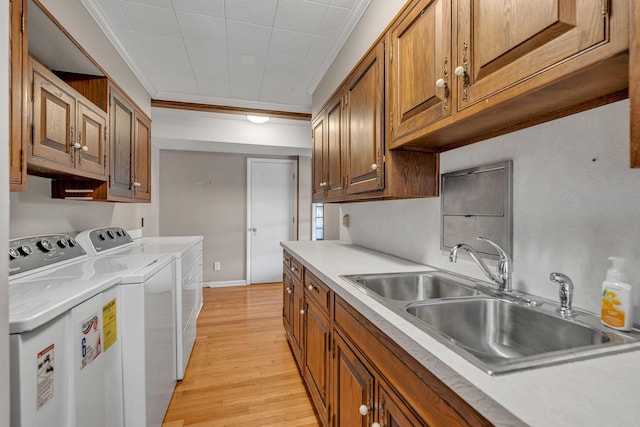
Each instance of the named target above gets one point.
<point>142,158</point>
<point>503,43</point>
<point>297,323</point>
<point>121,122</point>
<point>287,302</point>
<point>365,123</point>
<point>92,136</point>
<point>353,388</point>
<point>420,55</point>
<point>317,154</point>
<point>17,97</point>
<point>392,412</point>
<point>333,149</point>
<point>316,358</point>
<point>54,121</point>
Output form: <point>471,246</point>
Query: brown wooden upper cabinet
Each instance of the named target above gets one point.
<point>351,160</point>
<point>68,136</point>
<point>18,105</point>
<point>419,68</point>
<point>466,70</point>
<point>364,142</point>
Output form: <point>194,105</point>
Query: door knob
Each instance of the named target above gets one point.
<point>253,229</point>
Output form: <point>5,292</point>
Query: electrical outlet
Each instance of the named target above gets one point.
<point>216,266</point>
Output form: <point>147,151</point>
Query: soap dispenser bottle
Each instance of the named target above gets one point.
<point>617,298</point>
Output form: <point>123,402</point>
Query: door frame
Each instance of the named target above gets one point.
<point>294,195</point>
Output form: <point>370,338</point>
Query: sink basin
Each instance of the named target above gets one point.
<point>502,335</point>
<point>410,287</point>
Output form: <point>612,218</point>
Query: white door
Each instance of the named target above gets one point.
<point>271,216</point>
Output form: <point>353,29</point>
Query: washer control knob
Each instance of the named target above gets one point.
<point>72,242</point>
<point>111,234</point>
<point>102,236</point>
<point>13,254</point>
<point>45,245</point>
<point>25,250</point>
<point>63,243</point>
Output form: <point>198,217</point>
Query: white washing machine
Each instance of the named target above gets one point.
<point>187,251</point>
<point>64,352</point>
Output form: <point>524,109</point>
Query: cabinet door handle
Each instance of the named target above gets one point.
<point>363,409</point>
<point>85,148</point>
<point>288,290</point>
<point>374,166</point>
<point>301,311</point>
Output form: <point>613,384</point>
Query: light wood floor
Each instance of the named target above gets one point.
<point>241,371</point>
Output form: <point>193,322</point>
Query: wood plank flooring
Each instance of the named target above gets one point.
<point>241,371</point>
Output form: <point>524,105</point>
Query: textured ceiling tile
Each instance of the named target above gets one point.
<point>299,15</point>
<point>151,20</point>
<point>208,60</point>
<point>290,42</point>
<point>166,4</point>
<point>167,54</point>
<point>260,12</point>
<point>200,7</point>
<point>205,28</point>
<point>113,11</point>
<point>213,86</point>
<point>333,21</point>
<point>248,36</point>
<point>278,63</point>
<point>343,3</point>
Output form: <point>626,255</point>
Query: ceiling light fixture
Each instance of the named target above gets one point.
<point>258,119</point>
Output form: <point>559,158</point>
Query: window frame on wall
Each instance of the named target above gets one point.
<point>317,221</point>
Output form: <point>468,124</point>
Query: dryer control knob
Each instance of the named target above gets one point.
<point>72,242</point>
<point>13,254</point>
<point>45,245</point>
<point>63,243</point>
<point>111,234</point>
<point>25,250</point>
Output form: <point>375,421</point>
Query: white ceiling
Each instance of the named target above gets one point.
<point>266,54</point>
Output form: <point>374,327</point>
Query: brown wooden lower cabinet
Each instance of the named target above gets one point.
<point>353,387</point>
<point>355,374</point>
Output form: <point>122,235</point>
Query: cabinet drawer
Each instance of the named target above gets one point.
<point>286,261</point>
<point>316,290</point>
<point>295,269</point>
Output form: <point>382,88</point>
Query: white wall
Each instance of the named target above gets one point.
<point>4,214</point>
<point>575,203</point>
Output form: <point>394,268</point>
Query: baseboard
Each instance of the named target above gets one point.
<point>225,283</point>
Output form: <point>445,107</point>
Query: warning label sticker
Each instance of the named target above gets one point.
<point>45,376</point>
<point>90,340</point>
<point>110,324</point>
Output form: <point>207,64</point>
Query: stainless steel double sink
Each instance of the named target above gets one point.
<point>498,332</point>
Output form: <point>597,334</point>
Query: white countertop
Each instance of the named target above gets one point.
<point>598,391</point>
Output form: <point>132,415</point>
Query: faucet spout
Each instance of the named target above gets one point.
<point>503,278</point>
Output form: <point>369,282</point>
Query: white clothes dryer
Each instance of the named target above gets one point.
<point>187,251</point>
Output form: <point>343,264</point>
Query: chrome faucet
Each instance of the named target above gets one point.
<point>505,265</point>
<point>566,294</point>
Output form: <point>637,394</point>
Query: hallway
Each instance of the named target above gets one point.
<point>241,371</point>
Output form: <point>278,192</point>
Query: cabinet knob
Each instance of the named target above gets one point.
<point>85,148</point>
<point>301,311</point>
<point>440,83</point>
<point>288,290</point>
<point>77,145</point>
<point>311,287</point>
<point>136,184</point>
<point>460,71</point>
<point>374,166</point>
<point>363,409</point>
<point>375,425</point>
